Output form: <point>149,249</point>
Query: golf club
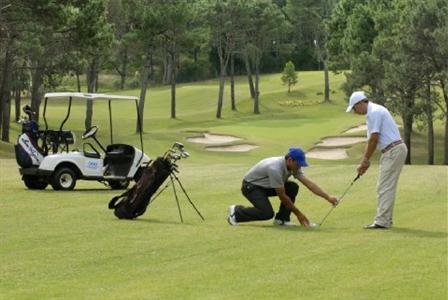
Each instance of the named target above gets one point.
<point>339,201</point>
<point>178,145</point>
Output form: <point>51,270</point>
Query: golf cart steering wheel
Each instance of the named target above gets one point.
<point>90,132</point>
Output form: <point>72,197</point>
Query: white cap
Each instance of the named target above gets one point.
<point>355,98</point>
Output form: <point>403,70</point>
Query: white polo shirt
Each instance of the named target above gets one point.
<point>379,120</point>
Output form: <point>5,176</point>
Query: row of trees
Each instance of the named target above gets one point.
<point>398,49</point>
<point>43,41</point>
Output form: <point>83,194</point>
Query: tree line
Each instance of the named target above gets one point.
<point>396,49</point>
<point>144,41</point>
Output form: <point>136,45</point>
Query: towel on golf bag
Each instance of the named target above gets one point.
<point>133,202</point>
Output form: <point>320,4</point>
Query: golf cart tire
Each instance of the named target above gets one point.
<point>118,184</point>
<point>33,183</point>
<point>63,179</point>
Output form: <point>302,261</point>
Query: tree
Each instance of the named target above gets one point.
<point>363,34</point>
<point>421,21</point>
<point>352,32</point>
<point>148,24</point>
<point>310,19</point>
<point>9,33</point>
<point>267,24</point>
<point>118,14</point>
<point>222,18</point>
<point>92,37</point>
<point>289,75</point>
<point>176,15</point>
<point>367,31</point>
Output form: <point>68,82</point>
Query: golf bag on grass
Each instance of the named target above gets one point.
<point>134,202</point>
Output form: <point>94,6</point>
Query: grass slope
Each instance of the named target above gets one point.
<point>69,245</point>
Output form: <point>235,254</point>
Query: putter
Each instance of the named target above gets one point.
<point>339,201</point>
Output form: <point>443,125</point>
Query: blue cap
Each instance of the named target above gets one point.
<point>298,155</point>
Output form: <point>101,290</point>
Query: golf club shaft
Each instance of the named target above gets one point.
<point>339,200</point>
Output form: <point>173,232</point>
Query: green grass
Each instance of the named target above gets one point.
<point>68,245</point>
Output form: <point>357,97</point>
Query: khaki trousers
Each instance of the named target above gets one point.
<point>391,163</point>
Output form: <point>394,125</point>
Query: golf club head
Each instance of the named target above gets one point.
<point>27,109</point>
<point>178,145</point>
<point>174,168</point>
<point>185,154</point>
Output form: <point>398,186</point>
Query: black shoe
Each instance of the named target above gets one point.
<point>374,226</point>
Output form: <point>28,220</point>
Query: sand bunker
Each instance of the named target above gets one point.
<point>232,148</point>
<point>359,128</point>
<point>327,153</point>
<point>211,139</point>
<point>219,143</point>
<point>332,147</point>
<point>340,141</point>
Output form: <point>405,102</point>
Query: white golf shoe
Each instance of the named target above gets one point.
<point>231,218</point>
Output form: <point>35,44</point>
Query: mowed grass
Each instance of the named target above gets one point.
<point>68,245</point>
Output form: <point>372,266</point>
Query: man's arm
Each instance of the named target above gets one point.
<point>317,190</point>
<point>370,148</point>
<point>281,193</point>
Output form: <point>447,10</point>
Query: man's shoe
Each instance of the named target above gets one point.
<point>283,223</point>
<point>374,226</point>
<point>231,218</point>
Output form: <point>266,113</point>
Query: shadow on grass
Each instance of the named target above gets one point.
<point>156,221</point>
<point>294,228</point>
<point>420,233</point>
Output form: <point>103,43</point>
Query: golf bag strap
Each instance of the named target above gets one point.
<point>114,200</point>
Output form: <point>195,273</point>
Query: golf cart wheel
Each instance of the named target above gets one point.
<point>118,184</point>
<point>63,179</point>
<point>34,183</point>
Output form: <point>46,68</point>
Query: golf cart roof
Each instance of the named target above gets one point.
<point>90,96</point>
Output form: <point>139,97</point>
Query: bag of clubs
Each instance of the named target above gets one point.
<point>134,202</point>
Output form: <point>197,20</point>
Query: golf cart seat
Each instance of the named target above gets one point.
<point>119,158</point>
<point>119,151</point>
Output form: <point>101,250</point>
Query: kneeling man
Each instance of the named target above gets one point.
<point>269,178</point>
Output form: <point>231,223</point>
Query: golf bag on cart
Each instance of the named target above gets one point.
<point>28,152</point>
<point>134,202</point>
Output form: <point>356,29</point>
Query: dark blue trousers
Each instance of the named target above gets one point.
<point>262,208</point>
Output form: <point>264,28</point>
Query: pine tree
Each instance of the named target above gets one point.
<point>289,75</point>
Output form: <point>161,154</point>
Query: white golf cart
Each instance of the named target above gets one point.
<point>57,165</point>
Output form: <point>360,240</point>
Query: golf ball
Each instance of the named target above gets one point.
<point>313,225</point>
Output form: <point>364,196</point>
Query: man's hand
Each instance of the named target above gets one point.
<point>333,200</point>
<point>362,167</point>
<point>303,220</point>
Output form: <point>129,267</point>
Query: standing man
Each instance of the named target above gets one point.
<point>270,178</point>
<point>382,133</point>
